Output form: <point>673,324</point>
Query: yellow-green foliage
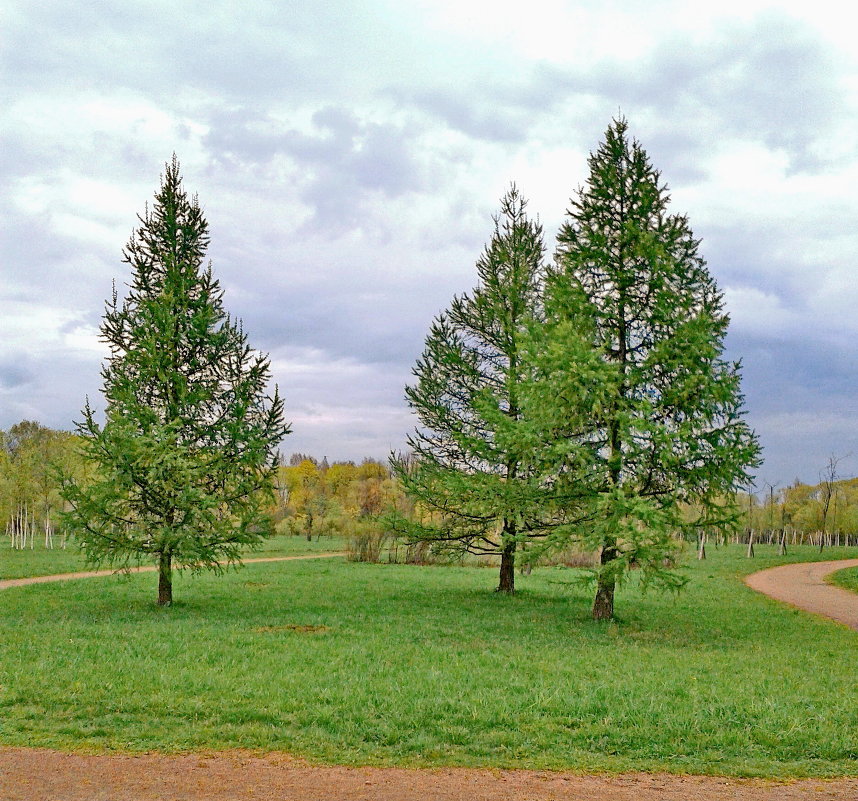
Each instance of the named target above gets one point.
<point>801,507</point>
<point>342,499</point>
<point>31,455</point>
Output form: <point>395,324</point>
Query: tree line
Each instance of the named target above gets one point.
<point>822,514</point>
<point>341,499</point>
<point>352,500</point>
<point>31,458</point>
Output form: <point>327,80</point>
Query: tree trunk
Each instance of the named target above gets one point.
<point>507,568</point>
<point>165,579</point>
<point>603,603</point>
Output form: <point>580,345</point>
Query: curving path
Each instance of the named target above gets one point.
<point>803,585</point>
<point>5,584</point>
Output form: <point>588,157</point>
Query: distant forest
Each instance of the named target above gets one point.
<point>312,498</point>
<point>315,498</point>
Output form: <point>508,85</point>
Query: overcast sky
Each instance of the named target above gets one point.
<point>349,157</point>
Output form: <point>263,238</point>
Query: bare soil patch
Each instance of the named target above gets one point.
<point>42,775</point>
<point>297,628</point>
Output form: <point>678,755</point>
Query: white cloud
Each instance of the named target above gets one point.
<point>31,328</point>
<point>759,313</point>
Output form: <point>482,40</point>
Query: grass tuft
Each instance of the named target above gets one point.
<point>848,579</point>
<point>293,627</point>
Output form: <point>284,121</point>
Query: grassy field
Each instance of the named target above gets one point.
<point>848,579</point>
<point>388,664</point>
<point>43,562</point>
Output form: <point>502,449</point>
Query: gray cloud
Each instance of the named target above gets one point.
<point>771,81</point>
<point>210,53</point>
<point>341,163</point>
<point>464,110</point>
<point>801,399</point>
<point>191,44</point>
<point>14,375</point>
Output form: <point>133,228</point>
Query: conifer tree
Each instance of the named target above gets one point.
<point>664,408</point>
<point>464,473</point>
<point>185,459</point>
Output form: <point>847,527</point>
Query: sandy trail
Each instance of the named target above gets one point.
<point>41,775</point>
<point>5,584</point>
<point>803,585</point>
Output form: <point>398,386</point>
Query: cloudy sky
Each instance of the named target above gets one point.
<point>349,157</point>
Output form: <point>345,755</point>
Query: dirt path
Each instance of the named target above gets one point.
<point>41,775</point>
<point>803,585</point>
<point>5,584</point>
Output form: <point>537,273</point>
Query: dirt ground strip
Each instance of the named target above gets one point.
<point>803,585</point>
<point>42,775</point>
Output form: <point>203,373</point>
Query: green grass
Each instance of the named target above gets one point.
<point>389,664</point>
<point>43,562</point>
<point>848,579</point>
<point>38,562</point>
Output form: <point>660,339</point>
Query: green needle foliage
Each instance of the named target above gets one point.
<point>467,477</point>
<point>655,422</point>
<point>184,461</point>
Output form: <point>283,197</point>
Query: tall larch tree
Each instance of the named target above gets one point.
<point>463,473</point>
<point>184,462</point>
<point>666,421</point>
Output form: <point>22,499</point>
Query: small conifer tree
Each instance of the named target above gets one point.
<point>661,422</point>
<point>464,473</point>
<point>184,463</point>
